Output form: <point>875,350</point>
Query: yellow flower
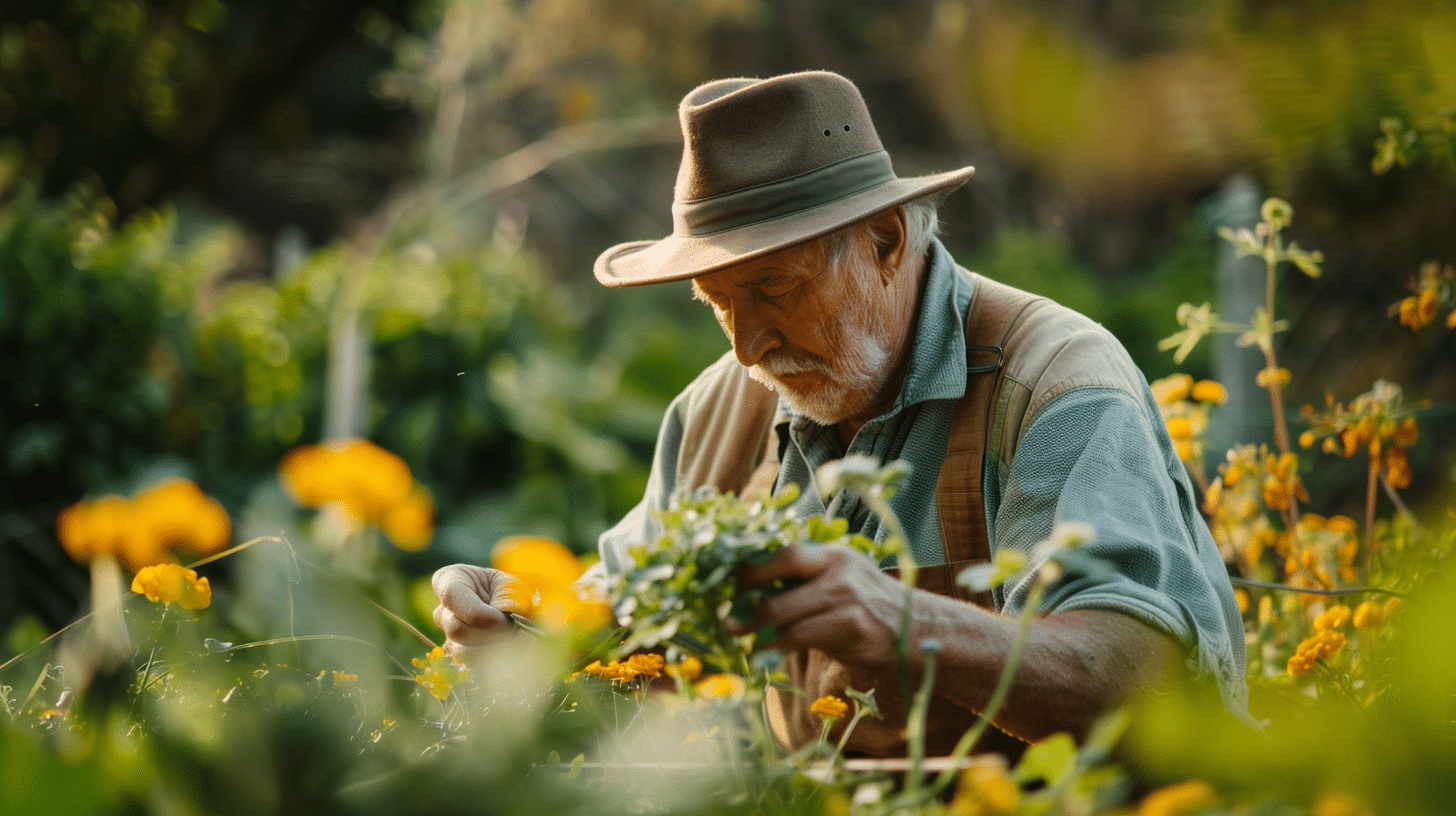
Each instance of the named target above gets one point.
<point>645,664</point>
<point>1392,606</point>
<point>550,570</point>
<point>1321,644</point>
<point>173,583</point>
<point>97,527</point>
<point>410,524</point>
<point>175,514</point>
<point>1368,615</point>
<point>1177,799</point>
<point>1172,388</point>
<point>1272,376</point>
<point>985,788</point>
<point>642,664</point>
<point>728,686</point>
<point>829,708</point>
<point>438,674</point>
<point>1333,618</point>
<point>1210,391</point>
<point>356,473</point>
<point>689,668</point>
<point>1180,428</point>
<point>1341,524</point>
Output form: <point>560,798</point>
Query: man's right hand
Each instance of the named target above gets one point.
<point>474,602</point>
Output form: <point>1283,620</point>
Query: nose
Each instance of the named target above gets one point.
<point>751,330</point>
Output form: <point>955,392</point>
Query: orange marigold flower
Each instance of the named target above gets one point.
<point>410,524</point>
<point>173,583</point>
<point>175,514</point>
<point>97,527</point>
<point>550,570</point>
<point>356,473</point>
<point>829,708</point>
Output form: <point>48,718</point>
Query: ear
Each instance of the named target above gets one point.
<point>889,233</point>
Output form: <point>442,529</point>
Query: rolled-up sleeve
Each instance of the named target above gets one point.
<point>1096,456</point>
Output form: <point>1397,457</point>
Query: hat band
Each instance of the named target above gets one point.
<point>764,202</point>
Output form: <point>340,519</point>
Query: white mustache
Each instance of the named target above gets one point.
<point>784,366</point>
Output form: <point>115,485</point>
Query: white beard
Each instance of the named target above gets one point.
<point>854,377</point>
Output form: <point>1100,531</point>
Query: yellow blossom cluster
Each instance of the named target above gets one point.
<point>549,572</point>
<point>1435,288</point>
<point>1372,614</point>
<point>1323,643</point>
<point>1319,552</point>
<point>642,664</point>
<point>1376,422</point>
<point>173,583</point>
<point>1185,405</point>
<point>1251,480</point>
<point>371,484</point>
<point>985,788</point>
<point>829,708</point>
<point>438,674</point>
<point>149,528</point>
<point>1272,376</point>
<point>1281,485</point>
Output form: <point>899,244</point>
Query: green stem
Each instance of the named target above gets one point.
<point>915,722</point>
<point>998,696</point>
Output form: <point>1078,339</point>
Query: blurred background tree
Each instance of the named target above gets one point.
<point>233,227</point>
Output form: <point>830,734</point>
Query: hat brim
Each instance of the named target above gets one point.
<point>679,257</point>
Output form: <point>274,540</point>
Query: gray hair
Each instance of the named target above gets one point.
<point>922,223</point>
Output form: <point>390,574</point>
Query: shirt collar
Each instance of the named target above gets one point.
<point>938,357</point>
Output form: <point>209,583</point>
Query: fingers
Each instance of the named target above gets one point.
<point>793,562</point>
<point>844,605</point>
<point>473,605</point>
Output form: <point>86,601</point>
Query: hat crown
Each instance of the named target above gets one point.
<point>742,133</point>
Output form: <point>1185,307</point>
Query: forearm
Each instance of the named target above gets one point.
<point>1074,665</point>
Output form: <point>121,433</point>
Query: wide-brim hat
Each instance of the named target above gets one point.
<point>768,163</point>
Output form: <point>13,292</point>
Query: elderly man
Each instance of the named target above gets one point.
<point>854,331</point>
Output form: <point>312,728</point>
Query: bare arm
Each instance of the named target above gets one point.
<point>1075,666</point>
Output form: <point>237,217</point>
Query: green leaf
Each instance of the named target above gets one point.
<point>1049,760</point>
<point>865,699</point>
<point>822,530</point>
